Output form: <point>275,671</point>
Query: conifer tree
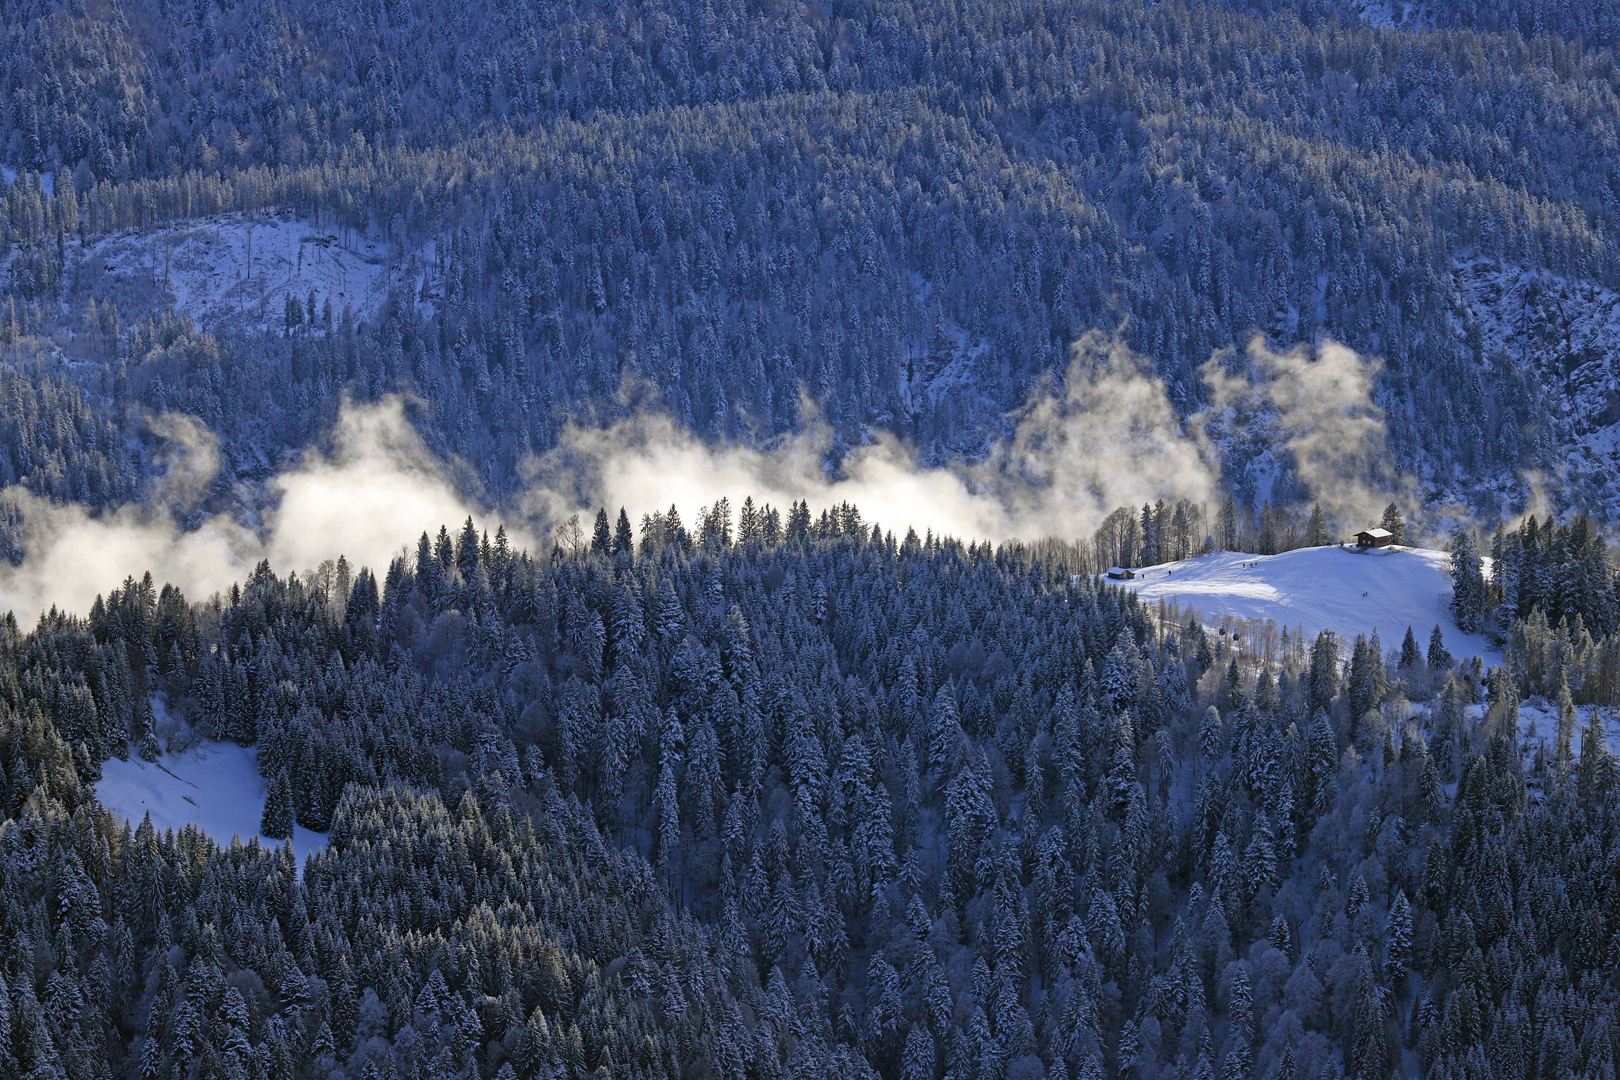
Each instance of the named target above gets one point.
<point>277,821</point>
<point>1398,939</point>
<point>1468,582</point>
<point>1596,775</point>
<point>502,790</point>
<point>1395,523</point>
<point>467,550</point>
<point>624,541</point>
<point>1411,655</point>
<point>1322,681</point>
<point>1317,528</point>
<point>1438,659</point>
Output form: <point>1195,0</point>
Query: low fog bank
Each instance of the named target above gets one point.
<point>1104,436</point>
<point>374,492</point>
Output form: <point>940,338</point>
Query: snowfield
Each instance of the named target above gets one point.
<point>1389,14</point>
<point>215,786</point>
<point>1323,588</point>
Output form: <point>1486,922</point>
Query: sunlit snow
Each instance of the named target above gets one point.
<point>1322,588</point>
<point>1538,726</point>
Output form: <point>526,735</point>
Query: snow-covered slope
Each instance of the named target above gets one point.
<point>1316,589</point>
<point>239,269</point>
<point>215,786</point>
<point>47,179</point>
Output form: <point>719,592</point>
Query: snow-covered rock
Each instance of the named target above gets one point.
<point>1564,334</point>
<point>238,269</point>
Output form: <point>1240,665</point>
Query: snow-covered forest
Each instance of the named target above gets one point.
<point>742,203</point>
<point>1187,291</point>
<point>783,799</point>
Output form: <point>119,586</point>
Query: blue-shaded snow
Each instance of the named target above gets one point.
<point>215,786</point>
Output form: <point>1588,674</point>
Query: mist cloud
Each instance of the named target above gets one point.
<point>190,459</point>
<point>1110,438</point>
<point>1105,436</point>
<point>376,490</point>
<point>1320,410</point>
<point>72,555</point>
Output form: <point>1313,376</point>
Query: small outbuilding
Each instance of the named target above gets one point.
<point>1374,538</point>
<point>1120,573</point>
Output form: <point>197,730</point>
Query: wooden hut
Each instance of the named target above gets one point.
<point>1374,538</point>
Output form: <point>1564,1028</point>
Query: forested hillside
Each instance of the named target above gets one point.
<point>784,794</point>
<point>790,798</point>
<point>907,211</point>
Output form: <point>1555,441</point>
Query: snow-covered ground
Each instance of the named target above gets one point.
<point>215,786</point>
<point>1316,589</point>
<point>240,268</point>
<point>47,179</point>
<point>1538,725</point>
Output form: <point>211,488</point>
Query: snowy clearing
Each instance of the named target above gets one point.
<point>47,179</point>
<point>215,786</point>
<point>1392,14</point>
<point>1323,588</point>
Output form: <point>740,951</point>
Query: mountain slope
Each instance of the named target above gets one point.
<point>746,204</point>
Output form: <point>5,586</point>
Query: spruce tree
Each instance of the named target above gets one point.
<point>467,550</point>
<point>624,540</point>
<point>1563,745</point>
<point>1439,658</point>
<point>1596,774</point>
<point>1467,582</point>
<point>1395,523</point>
<point>764,747</point>
<point>1322,683</point>
<point>1317,528</point>
<point>277,820</point>
<point>1398,939</point>
<point>1411,655</point>
<point>1362,687</point>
